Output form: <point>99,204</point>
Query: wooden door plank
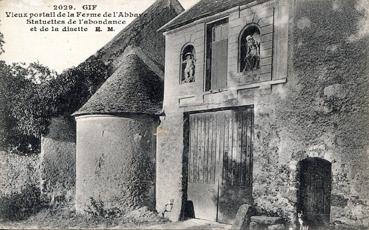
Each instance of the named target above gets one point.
<point>199,159</point>
<point>190,149</point>
<point>226,149</point>
<point>243,150</point>
<point>213,148</point>
<point>204,153</point>
<point>232,152</point>
<point>196,148</point>
<point>221,146</point>
<point>208,158</point>
<point>240,127</point>
<point>206,148</point>
<point>248,147</point>
<point>218,123</point>
<point>209,152</point>
<point>239,147</point>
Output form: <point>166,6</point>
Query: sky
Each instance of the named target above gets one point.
<point>60,50</point>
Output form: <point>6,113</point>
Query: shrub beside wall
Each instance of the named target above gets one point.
<point>19,183</point>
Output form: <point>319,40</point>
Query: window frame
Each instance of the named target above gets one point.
<point>207,53</point>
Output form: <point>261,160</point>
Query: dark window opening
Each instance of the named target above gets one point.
<point>216,55</point>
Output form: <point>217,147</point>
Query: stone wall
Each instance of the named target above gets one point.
<point>315,105</point>
<point>326,102</point>
<point>115,162</point>
<point>58,161</point>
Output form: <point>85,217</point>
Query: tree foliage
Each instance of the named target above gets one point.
<point>31,94</point>
<point>12,84</point>
<point>74,87</point>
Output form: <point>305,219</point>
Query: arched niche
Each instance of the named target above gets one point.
<point>249,53</point>
<point>188,66</point>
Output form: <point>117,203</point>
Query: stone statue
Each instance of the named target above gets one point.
<point>189,70</point>
<point>252,57</point>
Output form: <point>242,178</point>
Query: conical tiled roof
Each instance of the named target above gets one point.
<point>203,9</point>
<point>133,88</point>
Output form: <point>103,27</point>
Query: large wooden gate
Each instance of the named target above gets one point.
<point>315,191</point>
<point>220,163</point>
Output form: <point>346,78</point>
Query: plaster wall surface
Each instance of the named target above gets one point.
<point>58,161</point>
<point>320,110</point>
<point>169,163</point>
<point>115,162</point>
<point>181,98</point>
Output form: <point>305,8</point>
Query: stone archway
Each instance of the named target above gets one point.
<point>314,191</point>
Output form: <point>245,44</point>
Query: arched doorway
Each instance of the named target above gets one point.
<point>314,191</point>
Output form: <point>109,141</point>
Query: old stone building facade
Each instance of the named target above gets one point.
<point>266,103</point>
<point>259,102</point>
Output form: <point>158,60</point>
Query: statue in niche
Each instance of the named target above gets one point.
<point>188,65</point>
<point>250,50</point>
<point>252,57</point>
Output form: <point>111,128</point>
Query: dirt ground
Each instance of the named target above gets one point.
<point>66,218</point>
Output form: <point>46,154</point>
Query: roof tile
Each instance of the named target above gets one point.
<point>202,9</point>
<point>133,88</point>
